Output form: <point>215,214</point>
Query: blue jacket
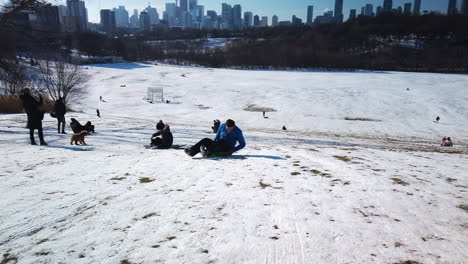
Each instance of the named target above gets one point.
<point>231,138</point>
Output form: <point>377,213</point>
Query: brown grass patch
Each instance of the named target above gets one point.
<point>146,180</point>
<point>463,207</point>
<point>342,158</point>
<point>399,181</point>
<point>366,119</point>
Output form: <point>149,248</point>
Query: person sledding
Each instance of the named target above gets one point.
<point>166,139</point>
<point>224,143</point>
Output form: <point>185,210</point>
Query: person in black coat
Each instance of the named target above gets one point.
<point>34,113</point>
<point>166,139</point>
<point>60,111</point>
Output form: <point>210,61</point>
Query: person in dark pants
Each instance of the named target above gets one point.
<point>225,141</point>
<point>166,139</point>
<point>60,111</point>
<point>34,113</point>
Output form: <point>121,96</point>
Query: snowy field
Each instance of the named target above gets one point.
<point>327,190</point>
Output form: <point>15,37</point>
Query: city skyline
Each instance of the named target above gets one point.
<point>283,9</point>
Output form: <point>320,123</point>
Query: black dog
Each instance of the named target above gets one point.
<point>77,127</point>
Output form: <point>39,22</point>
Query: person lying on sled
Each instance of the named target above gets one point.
<point>224,143</point>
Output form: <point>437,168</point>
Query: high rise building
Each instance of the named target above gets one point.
<point>378,10</point>
<point>407,9</point>
<point>212,15</point>
<point>256,21</point>
<point>134,19</point>
<point>226,13</point>
<point>417,7</point>
<point>310,15</point>
<point>237,17</point>
<point>48,17</point>
<point>352,14</point>
<point>464,7</point>
<point>63,11</point>
<point>264,21</point>
<point>78,14</point>
<point>108,21</point>
<point>121,16</point>
<point>369,10</point>
<point>248,19</point>
<point>297,21</point>
<point>338,11</point>
<point>145,21</point>
<point>452,7</point>
<point>274,21</point>
<point>387,5</point>
<point>153,15</point>
<point>183,5</point>
<point>192,4</point>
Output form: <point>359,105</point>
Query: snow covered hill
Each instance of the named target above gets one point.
<point>358,177</point>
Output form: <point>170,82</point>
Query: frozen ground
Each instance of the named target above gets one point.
<point>327,190</point>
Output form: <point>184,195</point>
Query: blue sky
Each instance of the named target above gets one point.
<point>284,9</point>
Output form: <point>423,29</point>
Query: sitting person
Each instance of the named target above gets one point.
<point>446,142</point>
<point>225,141</point>
<point>216,124</point>
<point>77,127</point>
<point>166,139</point>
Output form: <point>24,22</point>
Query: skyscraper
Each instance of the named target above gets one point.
<point>78,14</point>
<point>49,18</point>
<point>237,17</point>
<point>264,21</point>
<point>153,15</point>
<point>183,5</point>
<point>121,16</point>
<point>417,7</point>
<point>226,13</point>
<point>407,9</point>
<point>464,7</point>
<point>338,11</point>
<point>274,21</point>
<point>452,7</point>
<point>352,14</point>
<point>378,10</point>
<point>310,15</point>
<point>387,5</point>
<point>192,4</point>
<point>369,10</point>
<point>248,19</point>
<point>108,22</point>
<point>134,19</point>
<point>144,21</point>
<point>256,21</point>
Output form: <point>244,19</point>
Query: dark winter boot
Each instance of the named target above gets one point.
<point>33,142</point>
<point>189,152</point>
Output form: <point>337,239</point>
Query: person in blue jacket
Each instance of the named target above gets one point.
<point>225,141</point>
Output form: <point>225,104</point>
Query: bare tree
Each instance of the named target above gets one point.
<point>13,78</point>
<point>60,79</point>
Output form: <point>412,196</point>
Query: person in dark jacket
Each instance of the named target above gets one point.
<point>34,113</point>
<point>225,141</point>
<point>166,139</point>
<point>60,111</point>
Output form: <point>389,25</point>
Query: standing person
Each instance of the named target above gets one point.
<point>166,139</point>
<point>34,113</point>
<point>225,141</point>
<point>60,110</point>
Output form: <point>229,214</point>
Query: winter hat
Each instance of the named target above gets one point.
<point>160,125</point>
<point>230,123</point>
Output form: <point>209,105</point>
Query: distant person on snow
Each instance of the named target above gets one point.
<point>225,141</point>
<point>98,113</point>
<point>216,124</point>
<point>446,142</point>
<point>166,139</point>
<point>60,110</point>
<point>34,113</point>
<point>437,119</point>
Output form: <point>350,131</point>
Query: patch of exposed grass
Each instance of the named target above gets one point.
<point>399,181</point>
<point>451,180</point>
<point>274,237</point>
<point>146,180</point>
<point>169,238</point>
<point>41,253</point>
<point>150,215</point>
<point>407,262</point>
<point>294,173</point>
<point>315,171</point>
<point>205,251</point>
<point>264,185</point>
<point>463,207</point>
<point>378,170</point>
<point>362,119</point>
<point>9,259</point>
<point>156,246</point>
<point>117,178</point>
<point>287,156</point>
<point>81,255</point>
<point>342,158</point>
<point>125,261</point>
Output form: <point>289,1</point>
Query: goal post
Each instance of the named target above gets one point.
<point>155,94</point>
